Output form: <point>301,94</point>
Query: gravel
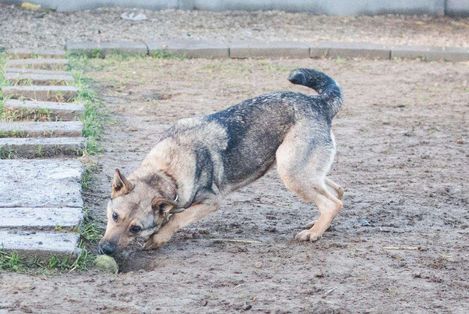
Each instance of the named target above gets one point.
<point>21,28</point>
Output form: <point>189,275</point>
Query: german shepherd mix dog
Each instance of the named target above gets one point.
<point>200,160</point>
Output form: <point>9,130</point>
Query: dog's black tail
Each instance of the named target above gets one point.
<point>328,89</point>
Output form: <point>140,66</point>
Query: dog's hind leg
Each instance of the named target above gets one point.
<point>337,188</point>
<point>303,161</point>
<point>180,220</point>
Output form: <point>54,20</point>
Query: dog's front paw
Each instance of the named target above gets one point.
<point>150,245</point>
<point>308,235</point>
<point>156,241</point>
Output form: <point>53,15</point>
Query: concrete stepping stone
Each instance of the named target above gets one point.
<point>40,244</point>
<point>44,218</point>
<point>38,63</point>
<point>32,110</point>
<point>45,93</point>
<point>38,79</point>
<point>35,71</point>
<point>24,53</point>
<point>40,129</point>
<point>54,183</point>
<point>41,147</point>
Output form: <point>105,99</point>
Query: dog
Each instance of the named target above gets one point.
<point>200,160</point>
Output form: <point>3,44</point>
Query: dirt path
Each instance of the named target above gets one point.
<point>20,28</point>
<point>400,244</point>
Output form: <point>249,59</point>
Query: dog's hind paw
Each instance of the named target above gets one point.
<point>307,235</point>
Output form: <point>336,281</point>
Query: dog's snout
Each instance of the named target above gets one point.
<point>107,247</point>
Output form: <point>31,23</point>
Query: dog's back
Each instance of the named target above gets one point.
<point>247,135</point>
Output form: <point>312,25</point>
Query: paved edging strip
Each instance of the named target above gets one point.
<point>95,49</point>
<point>40,200</point>
<point>269,50</point>
<point>210,49</point>
<point>190,48</point>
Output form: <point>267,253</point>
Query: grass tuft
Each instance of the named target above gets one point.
<point>93,118</point>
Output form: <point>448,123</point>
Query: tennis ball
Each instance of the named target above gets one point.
<point>106,263</point>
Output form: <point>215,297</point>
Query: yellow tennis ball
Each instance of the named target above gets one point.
<point>106,263</point>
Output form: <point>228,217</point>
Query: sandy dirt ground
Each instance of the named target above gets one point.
<point>20,28</point>
<point>401,243</point>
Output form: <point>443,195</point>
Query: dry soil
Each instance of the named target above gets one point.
<point>399,245</point>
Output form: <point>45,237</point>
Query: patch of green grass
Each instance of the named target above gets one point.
<point>10,261</point>
<point>93,118</point>
<point>89,231</point>
<point>87,176</point>
<point>6,153</point>
<point>164,54</point>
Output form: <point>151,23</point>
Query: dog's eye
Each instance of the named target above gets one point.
<point>135,229</point>
<point>115,216</point>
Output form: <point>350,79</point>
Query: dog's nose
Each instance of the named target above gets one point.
<point>107,247</point>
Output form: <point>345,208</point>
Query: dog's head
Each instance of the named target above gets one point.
<point>137,209</point>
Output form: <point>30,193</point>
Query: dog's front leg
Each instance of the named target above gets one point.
<point>179,221</point>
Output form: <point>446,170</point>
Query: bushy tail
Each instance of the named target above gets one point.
<point>328,89</point>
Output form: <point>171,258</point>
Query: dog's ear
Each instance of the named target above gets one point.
<point>120,185</point>
<point>161,205</point>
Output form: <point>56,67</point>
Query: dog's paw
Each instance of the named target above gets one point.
<point>150,245</point>
<point>157,241</point>
<point>308,235</point>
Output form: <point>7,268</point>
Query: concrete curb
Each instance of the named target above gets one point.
<point>214,49</point>
<point>101,49</point>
